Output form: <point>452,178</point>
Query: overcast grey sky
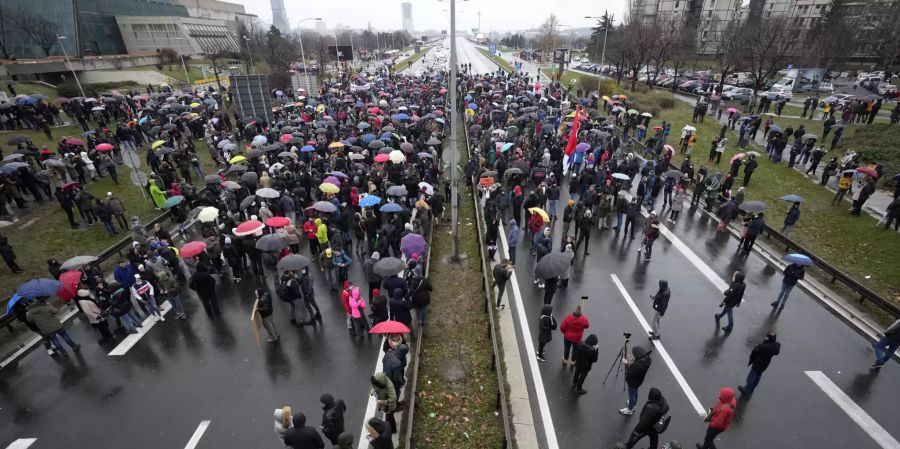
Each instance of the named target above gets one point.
<point>499,15</point>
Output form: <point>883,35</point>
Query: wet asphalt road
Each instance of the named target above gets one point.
<point>184,372</point>
<point>787,409</point>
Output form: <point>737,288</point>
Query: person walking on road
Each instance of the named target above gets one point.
<point>546,326</point>
<point>585,222</point>
<point>502,272</point>
<point>760,358</point>
<point>636,368</point>
<point>719,418</point>
<point>754,229</point>
<point>660,304</point>
<point>586,355</point>
<point>332,417</point>
<point>652,412</point>
<point>887,345</point>
<point>205,285</point>
<point>512,240</point>
<point>792,274</point>
<point>733,297</point>
<point>542,245</point>
<point>264,308</point>
<point>651,233</point>
<point>572,327</point>
<point>283,421</point>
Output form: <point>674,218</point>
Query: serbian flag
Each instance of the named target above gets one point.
<point>573,140</point>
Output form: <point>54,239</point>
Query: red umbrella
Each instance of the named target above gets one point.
<point>389,327</point>
<point>249,227</point>
<point>278,222</point>
<point>46,151</point>
<point>69,280</point>
<point>73,141</point>
<point>192,249</point>
<point>381,158</point>
<point>69,186</point>
<point>868,171</point>
<point>285,138</point>
<point>104,147</point>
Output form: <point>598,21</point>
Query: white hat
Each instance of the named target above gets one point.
<point>137,277</point>
<point>108,193</point>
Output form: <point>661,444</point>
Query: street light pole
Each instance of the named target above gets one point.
<point>454,148</point>
<point>352,52</point>
<point>302,54</point>
<point>249,53</point>
<point>63,47</point>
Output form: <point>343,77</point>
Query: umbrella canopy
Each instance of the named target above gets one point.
<point>208,214</point>
<point>77,262</point>
<point>799,259</point>
<point>36,288</point>
<point>212,179</point>
<point>271,242</point>
<point>389,327</point>
<point>292,262</point>
<point>754,206</point>
<point>389,266</point>
<point>673,174</point>
<point>381,158</point>
<point>173,201</point>
<point>324,206</point>
<point>231,185</point>
<point>541,212</point>
<point>397,156</point>
<point>399,190</point>
<point>249,227</point>
<point>267,192</point>
<point>737,156</point>
<point>793,199</point>
<point>867,171</point>
<point>12,302</point>
<point>104,147</point>
<point>433,141</point>
<point>332,180</point>
<point>553,265</point>
<point>192,249</point>
<point>328,187</point>
<point>413,244</point>
<point>278,222</point>
<point>369,201</point>
<point>428,188</point>
<point>68,284</point>
<point>247,202</point>
<point>391,208</point>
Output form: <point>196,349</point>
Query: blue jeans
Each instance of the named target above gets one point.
<point>884,349</point>
<point>129,320</point>
<point>110,227</point>
<point>619,216</point>
<point>632,397</point>
<point>512,254</point>
<point>151,306</point>
<point>54,338</point>
<point>753,378</point>
<point>783,296</point>
<point>177,304</point>
<point>422,313</point>
<point>552,208</point>
<point>729,312</point>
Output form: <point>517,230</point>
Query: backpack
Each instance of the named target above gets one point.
<point>284,292</point>
<point>663,423</point>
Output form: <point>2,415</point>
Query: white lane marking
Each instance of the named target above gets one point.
<point>854,411</point>
<point>195,438</point>
<point>21,443</point>
<point>695,402</point>
<point>543,404</point>
<point>363,442</point>
<point>132,339</point>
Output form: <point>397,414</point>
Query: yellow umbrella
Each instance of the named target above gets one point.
<point>237,159</point>
<point>571,115</point>
<point>157,144</point>
<point>605,98</point>
<point>328,187</point>
<point>320,108</point>
<point>335,145</point>
<point>195,105</point>
<point>541,212</point>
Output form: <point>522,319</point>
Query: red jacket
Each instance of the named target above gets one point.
<point>310,229</point>
<point>536,223</point>
<point>723,412</point>
<point>573,327</point>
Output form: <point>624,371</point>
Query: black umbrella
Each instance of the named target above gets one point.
<point>169,126</point>
<point>488,174</point>
<point>553,265</point>
<point>15,140</point>
<point>212,179</point>
<point>754,206</point>
<point>162,151</point>
<point>254,153</point>
<point>521,165</point>
<point>674,174</point>
<point>389,266</point>
<point>397,190</point>
<point>246,202</point>
<point>250,177</point>
<point>292,262</point>
<point>154,131</point>
<point>271,242</point>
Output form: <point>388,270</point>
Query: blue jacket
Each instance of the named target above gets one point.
<point>125,276</point>
<point>792,216</point>
<point>340,259</point>
<point>513,238</point>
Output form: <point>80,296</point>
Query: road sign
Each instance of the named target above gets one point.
<point>492,47</point>
<point>131,159</point>
<point>139,178</point>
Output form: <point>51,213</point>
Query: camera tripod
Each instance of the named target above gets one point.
<point>617,363</point>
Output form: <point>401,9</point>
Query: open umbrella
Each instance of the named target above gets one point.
<point>381,158</point>
<point>389,327</point>
<point>399,190</point>
<point>324,206</point>
<point>328,187</point>
<point>332,180</point>
<point>208,214</point>
<point>173,201</point>
<point>793,199</point>
<point>553,265</point>
<point>231,185</point>
<point>271,242</point>
<point>369,201</point>
<point>433,141</point>
<point>754,206</point>
<point>249,227</point>
<point>737,156</point>
<point>541,212</point>
<point>397,156</point>
<point>267,192</point>
<point>391,208</point>
<point>68,284</point>
<point>104,147</point>
<point>247,202</point>
<point>389,266</point>
<point>77,262</point>
<point>236,159</point>
<point>192,249</point>
<point>868,171</point>
<point>292,262</point>
<point>799,259</point>
<point>278,222</point>
<point>212,179</point>
<point>674,174</point>
<point>36,288</point>
<point>12,302</point>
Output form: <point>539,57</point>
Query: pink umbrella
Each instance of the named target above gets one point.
<point>731,110</point>
<point>75,142</point>
<point>381,158</point>
<point>249,227</point>
<point>104,147</point>
<point>192,249</point>
<point>737,156</point>
<point>285,138</point>
<point>278,222</point>
<point>69,280</point>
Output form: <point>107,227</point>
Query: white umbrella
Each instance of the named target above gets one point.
<point>397,156</point>
<point>429,189</point>
<point>267,192</point>
<point>208,214</point>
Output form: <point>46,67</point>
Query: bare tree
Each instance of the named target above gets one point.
<point>683,50</point>
<point>637,40</point>
<point>767,45</point>
<point>883,32</point>
<point>549,33</point>
<point>662,45</point>
<point>832,38</point>
<point>727,46</point>
<point>8,20</point>
<point>39,30</point>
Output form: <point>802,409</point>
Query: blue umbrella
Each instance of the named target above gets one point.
<point>307,149</point>
<point>369,201</point>
<point>391,207</point>
<point>360,104</point>
<point>26,100</point>
<point>339,174</point>
<point>473,106</point>
<point>467,98</point>
<point>386,136</point>
<point>38,96</point>
<point>350,140</point>
<point>401,117</point>
<point>363,125</point>
<point>366,138</point>
<point>88,133</point>
<point>798,259</point>
<point>12,301</point>
<point>173,201</point>
<point>794,199</point>
<point>38,287</point>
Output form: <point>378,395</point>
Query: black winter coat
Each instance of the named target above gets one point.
<point>762,355</point>
<point>655,408</point>
<point>734,294</point>
<point>585,356</point>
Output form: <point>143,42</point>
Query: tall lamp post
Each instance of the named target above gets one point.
<point>352,51</point>
<point>603,52</point>
<point>249,53</point>
<point>63,47</point>
<point>302,54</point>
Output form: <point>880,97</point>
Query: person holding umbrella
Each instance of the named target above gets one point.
<point>790,220</point>
<point>792,274</point>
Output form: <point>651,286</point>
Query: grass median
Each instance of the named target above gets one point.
<point>496,59</point>
<point>402,65</point>
<point>457,386</point>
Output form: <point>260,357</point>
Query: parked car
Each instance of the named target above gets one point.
<point>778,92</point>
<point>826,87</point>
<point>738,93</point>
<point>690,85</point>
<point>839,99</point>
<point>887,90</point>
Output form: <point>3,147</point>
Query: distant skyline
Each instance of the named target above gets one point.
<point>496,15</point>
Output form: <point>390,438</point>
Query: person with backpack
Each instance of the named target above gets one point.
<point>265,309</point>
<point>636,368</point>
<point>546,326</point>
<point>719,418</point>
<point>586,354</point>
<point>288,289</point>
<point>652,422</point>
<point>733,297</point>
<point>420,294</point>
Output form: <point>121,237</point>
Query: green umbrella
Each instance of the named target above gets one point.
<point>633,111</point>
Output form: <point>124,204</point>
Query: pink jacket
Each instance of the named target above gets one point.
<point>357,303</point>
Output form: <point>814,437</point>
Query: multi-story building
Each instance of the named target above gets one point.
<point>407,17</point>
<point>279,16</point>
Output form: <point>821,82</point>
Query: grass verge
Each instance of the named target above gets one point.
<point>457,385</point>
<point>497,60</point>
<point>402,65</point>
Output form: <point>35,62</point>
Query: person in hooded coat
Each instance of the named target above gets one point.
<point>586,355</point>
<point>512,240</point>
<point>378,310</point>
<point>302,436</point>
<point>655,408</point>
<point>636,368</point>
<point>660,304</point>
<point>283,421</point>
<point>345,441</point>
<point>332,417</point>
<point>394,366</point>
<point>572,327</point>
<point>372,278</point>
<point>546,326</point>
<point>759,361</point>
<point>400,308</point>
<point>733,297</point>
<point>380,434</point>
<point>385,397</point>
<point>719,418</point>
